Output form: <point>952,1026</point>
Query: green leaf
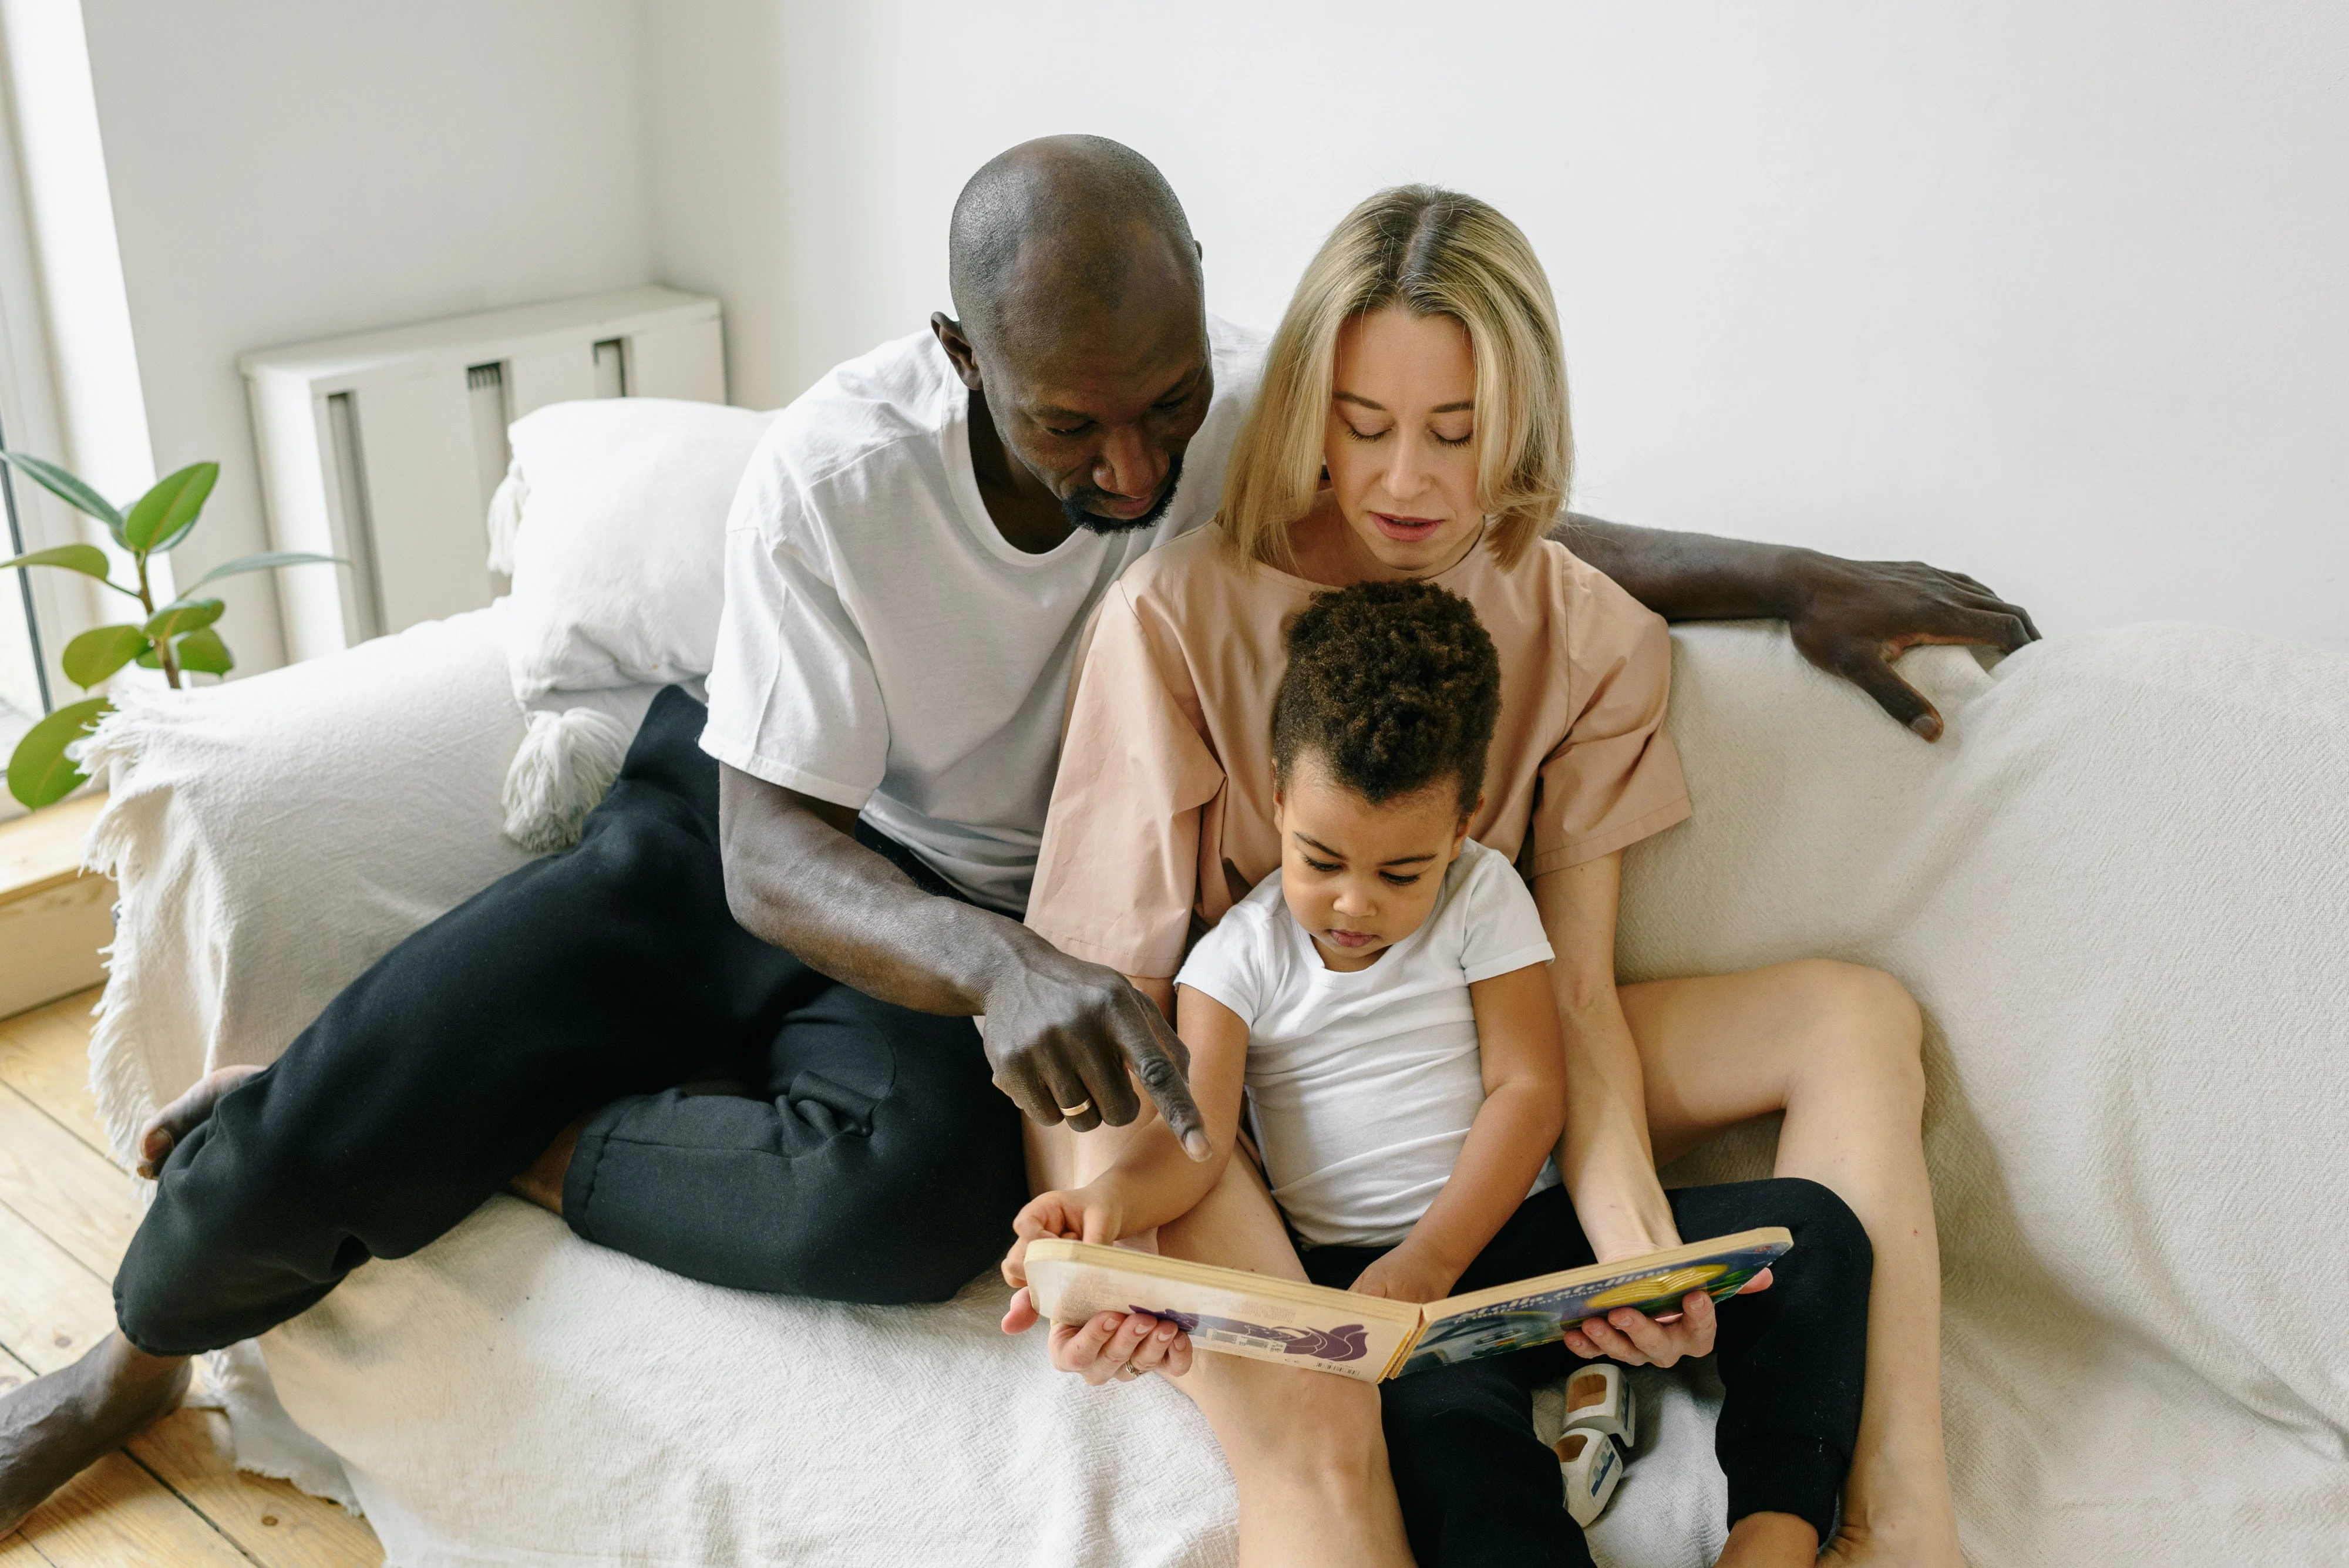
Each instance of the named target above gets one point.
<point>158,519</point>
<point>183,616</point>
<point>153,658</point>
<point>68,489</point>
<point>86,559</point>
<point>203,652</point>
<point>96,654</point>
<point>39,773</point>
<point>266,561</point>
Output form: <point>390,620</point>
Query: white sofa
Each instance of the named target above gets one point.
<point>2119,888</point>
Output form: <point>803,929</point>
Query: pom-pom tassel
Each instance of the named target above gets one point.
<point>565,766</point>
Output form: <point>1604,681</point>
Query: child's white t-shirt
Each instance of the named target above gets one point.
<point>1362,1086</point>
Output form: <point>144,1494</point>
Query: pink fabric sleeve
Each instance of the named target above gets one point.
<point>1616,778</point>
<point>1117,873</point>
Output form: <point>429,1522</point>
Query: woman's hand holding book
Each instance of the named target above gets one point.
<point>1120,1347</point>
<point>1636,1339</point>
<point>1108,1347</point>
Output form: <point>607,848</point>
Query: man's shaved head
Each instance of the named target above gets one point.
<point>1059,226</point>
<point>1084,337</point>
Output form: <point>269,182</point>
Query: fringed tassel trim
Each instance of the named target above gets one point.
<point>117,1076</point>
<point>565,768</point>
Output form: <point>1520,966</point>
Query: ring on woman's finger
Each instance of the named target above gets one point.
<point>1080,1108</point>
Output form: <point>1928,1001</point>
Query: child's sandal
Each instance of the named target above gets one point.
<point>1591,1465</point>
<point>1598,1399</point>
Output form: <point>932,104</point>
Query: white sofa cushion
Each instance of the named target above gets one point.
<point>2120,889</point>
<point>612,520</point>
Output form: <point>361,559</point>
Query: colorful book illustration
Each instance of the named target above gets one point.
<point>1367,1337</point>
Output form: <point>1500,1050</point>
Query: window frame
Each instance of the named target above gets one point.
<point>62,604</point>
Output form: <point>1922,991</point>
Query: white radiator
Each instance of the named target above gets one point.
<point>384,447</point>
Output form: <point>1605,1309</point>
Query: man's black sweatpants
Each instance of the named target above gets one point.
<point>1478,1488</point>
<point>867,1156</point>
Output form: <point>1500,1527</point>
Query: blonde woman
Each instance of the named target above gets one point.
<point>1413,424</point>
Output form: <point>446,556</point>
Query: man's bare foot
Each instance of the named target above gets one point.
<point>55,1427</point>
<point>542,1182</point>
<point>167,1127</point>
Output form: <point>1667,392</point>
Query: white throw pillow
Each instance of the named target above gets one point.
<point>612,521</point>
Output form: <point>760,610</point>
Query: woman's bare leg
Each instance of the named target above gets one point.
<point>1836,1047</point>
<point>1306,1448</point>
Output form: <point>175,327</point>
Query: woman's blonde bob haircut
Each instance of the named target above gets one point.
<point>1432,252</point>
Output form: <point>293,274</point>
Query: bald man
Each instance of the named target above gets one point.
<point>727,1033</point>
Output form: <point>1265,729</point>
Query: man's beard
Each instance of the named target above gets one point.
<point>1093,523</point>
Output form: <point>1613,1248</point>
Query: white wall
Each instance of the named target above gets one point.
<point>283,170</point>
<point>2052,294</point>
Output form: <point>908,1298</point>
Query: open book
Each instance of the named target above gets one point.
<point>1369,1337</point>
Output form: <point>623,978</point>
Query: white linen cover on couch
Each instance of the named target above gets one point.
<point>2120,889</point>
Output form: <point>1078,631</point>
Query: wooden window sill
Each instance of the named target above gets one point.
<point>54,916</point>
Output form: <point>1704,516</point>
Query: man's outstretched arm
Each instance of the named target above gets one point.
<point>1060,1030</point>
<point>1851,618</point>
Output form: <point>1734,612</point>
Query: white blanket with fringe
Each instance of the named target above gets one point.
<point>2120,889</point>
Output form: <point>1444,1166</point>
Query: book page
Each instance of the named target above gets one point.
<point>1225,1310</point>
<point>1538,1311</point>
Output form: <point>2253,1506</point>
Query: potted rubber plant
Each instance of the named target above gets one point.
<point>176,637</point>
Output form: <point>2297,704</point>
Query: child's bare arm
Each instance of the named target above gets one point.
<point>1524,1110</point>
<point>1154,1182</point>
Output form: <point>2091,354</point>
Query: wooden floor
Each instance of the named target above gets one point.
<point>172,1498</point>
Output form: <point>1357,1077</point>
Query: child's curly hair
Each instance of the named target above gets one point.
<point>1395,686</point>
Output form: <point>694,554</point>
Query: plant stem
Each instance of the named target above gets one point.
<point>162,644</point>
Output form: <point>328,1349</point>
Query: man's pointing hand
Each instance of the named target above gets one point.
<point>1069,1039</point>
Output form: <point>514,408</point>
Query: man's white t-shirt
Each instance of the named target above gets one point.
<point>883,646</point>
<point>1363,1084</point>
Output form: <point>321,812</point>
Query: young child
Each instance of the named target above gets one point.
<point>1381,995</point>
<point>1405,1078</point>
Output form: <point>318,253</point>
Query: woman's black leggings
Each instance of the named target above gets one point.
<point>1478,1488</point>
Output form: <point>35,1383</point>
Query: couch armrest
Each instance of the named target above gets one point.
<point>271,837</point>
